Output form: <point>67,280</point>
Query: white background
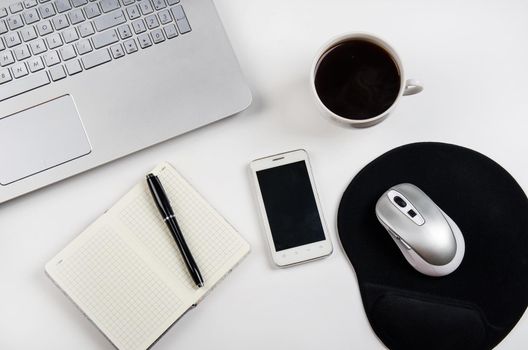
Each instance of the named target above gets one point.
<point>472,57</point>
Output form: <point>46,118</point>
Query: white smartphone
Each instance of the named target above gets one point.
<point>291,211</point>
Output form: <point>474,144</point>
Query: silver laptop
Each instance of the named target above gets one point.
<point>83,82</point>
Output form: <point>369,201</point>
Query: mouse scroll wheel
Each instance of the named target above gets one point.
<point>400,201</point>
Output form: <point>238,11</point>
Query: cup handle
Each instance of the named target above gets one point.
<point>412,87</point>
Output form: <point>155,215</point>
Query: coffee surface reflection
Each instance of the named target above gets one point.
<point>357,79</point>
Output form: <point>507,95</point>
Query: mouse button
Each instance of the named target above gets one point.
<point>413,194</point>
<point>398,238</point>
<point>410,192</point>
<point>397,225</point>
<point>408,247</point>
<point>403,202</point>
<point>388,214</point>
<point>426,206</point>
<point>436,247</point>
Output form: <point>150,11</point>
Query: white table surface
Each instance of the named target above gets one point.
<point>472,57</point>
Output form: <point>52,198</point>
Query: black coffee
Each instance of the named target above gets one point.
<point>357,79</point>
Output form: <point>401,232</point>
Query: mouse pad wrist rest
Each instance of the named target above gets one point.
<point>477,305</point>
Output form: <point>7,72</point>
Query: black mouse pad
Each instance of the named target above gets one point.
<point>476,306</point>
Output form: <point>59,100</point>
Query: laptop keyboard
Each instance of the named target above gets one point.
<point>44,41</point>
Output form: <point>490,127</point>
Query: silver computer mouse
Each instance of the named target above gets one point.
<point>427,237</point>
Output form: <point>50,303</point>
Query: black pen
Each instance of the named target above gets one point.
<point>163,204</point>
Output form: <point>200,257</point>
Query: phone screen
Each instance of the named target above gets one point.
<point>290,205</point>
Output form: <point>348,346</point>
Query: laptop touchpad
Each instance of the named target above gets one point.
<point>40,138</point>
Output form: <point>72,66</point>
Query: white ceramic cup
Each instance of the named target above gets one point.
<point>407,87</point>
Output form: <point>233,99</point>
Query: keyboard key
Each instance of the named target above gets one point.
<point>62,5</point>
<point>3,27</point>
<point>16,7</point>
<point>30,3</point>
<point>35,64</point>
<point>47,10</point>
<point>159,4</point>
<point>105,39</point>
<point>139,26</point>
<point>64,45</point>
<point>3,12</point>
<point>73,67</point>
<point>92,10</point>
<point>183,26</point>
<point>165,17</point>
<point>26,84</point>
<point>76,16</point>
<point>5,76</point>
<point>109,5</point>
<point>177,12</point>
<point>171,31</point>
<point>57,73</point>
<point>54,41</point>
<point>12,39</point>
<point>84,47</point>
<point>70,35</point>
<point>31,16</point>
<point>86,29</point>
<point>130,46</point>
<point>6,58</point>
<point>28,33</point>
<point>145,7</point>
<point>60,22</point>
<point>133,12</point>
<point>51,58</point>
<point>117,51</point>
<point>67,52</point>
<point>15,22</point>
<point>44,27</point>
<point>124,31</point>
<point>181,19</point>
<point>110,20</point>
<point>157,36</point>
<point>96,58</point>
<point>22,52</point>
<point>152,22</point>
<point>144,41</point>
<point>20,70</point>
<point>38,46</point>
<point>77,3</point>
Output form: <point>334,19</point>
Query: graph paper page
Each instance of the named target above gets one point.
<point>125,272</point>
<point>215,244</point>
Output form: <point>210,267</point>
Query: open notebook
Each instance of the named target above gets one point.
<point>125,271</point>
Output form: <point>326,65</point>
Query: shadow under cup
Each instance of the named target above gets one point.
<point>357,79</point>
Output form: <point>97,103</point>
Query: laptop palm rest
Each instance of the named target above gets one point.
<point>40,138</point>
